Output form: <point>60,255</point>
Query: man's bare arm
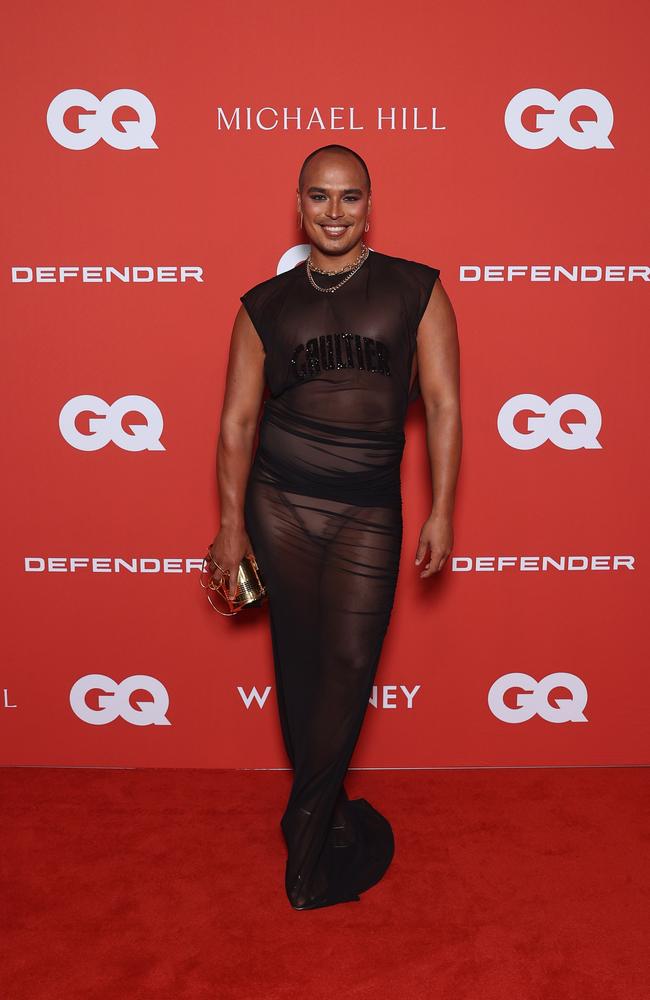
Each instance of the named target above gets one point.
<point>438,354</point>
<point>238,425</point>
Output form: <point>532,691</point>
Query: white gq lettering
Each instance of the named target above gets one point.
<point>533,697</point>
<point>554,121</point>
<point>97,122</point>
<point>545,425</point>
<point>106,424</point>
<point>293,256</point>
<point>114,702</point>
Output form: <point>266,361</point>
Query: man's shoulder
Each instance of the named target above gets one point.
<point>405,265</point>
<point>268,287</point>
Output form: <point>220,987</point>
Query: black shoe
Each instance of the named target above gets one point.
<point>315,902</point>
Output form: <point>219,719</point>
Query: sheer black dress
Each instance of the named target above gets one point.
<point>323,510</point>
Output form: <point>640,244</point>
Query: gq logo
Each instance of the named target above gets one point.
<point>98,120</point>
<point>533,698</point>
<point>554,120</point>
<point>543,422</point>
<point>107,424</point>
<point>115,700</point>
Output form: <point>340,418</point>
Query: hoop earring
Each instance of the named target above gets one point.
<point>301,220</point>
<point>367,226</point>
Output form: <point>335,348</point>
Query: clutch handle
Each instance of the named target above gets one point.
<point>250,588</point>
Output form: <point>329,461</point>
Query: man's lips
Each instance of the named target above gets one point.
<point>333,230</point>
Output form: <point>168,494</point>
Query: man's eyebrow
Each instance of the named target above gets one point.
<point>345,191</point>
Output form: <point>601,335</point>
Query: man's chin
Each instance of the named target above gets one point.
<point>333,247</point>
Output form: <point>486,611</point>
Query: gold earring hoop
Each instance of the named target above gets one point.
<point>367,226</point>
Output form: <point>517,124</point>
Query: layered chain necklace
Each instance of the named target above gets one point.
<point>355,265</point>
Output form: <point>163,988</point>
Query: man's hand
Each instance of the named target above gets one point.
<point>437,534</point>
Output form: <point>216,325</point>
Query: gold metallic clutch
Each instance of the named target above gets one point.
<point>250,587</point>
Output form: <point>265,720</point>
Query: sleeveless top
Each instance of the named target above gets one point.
<point>339,367</point>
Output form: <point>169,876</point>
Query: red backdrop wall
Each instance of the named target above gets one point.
<point>517,141</point>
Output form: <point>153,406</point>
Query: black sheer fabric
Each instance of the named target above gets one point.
<point>323,510</point>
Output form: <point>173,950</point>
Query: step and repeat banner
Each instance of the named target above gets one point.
<point>150,171</point>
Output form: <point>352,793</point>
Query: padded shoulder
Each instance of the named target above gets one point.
<point>263,300</point>
<point>417,280</point>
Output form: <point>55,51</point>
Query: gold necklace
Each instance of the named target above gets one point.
<point>355,266</point>
<point>320,270</point>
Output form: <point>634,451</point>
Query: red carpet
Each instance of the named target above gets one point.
<point>506,885</point>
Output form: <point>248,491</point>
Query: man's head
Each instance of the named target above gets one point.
<point>334,197</point>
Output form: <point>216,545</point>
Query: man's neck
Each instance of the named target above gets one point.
<point>334,261</point>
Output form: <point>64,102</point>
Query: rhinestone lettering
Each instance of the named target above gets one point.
<point>333,351</point>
